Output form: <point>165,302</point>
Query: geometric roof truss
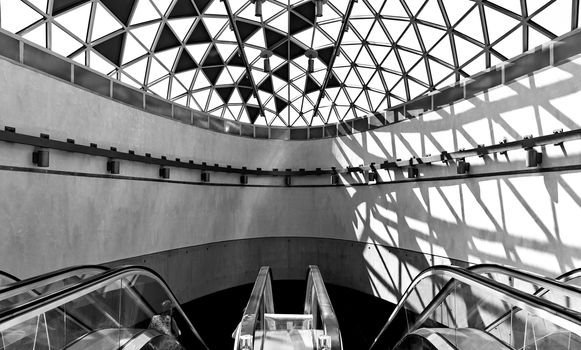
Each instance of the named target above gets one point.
<point>372,54</point>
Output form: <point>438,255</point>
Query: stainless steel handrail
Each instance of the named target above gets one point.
<point>569,275</point>
<point>262,291</point>
<point>564,278</point>
<point>33,283</point>
<point>557,314</point>
<point>317,301</point>
<point>14,316</point>
<point>499,269</point>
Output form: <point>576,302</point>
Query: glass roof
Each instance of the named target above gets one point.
<point>369,55</point>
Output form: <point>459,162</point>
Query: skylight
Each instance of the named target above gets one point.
<point>209,54</point>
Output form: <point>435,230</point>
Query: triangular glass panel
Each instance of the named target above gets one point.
<point>183,8</point>
<point>111,48</point>
<point>443,51</point>
<point>512,45</point>
<point>466,50</point>
<point>38,35</point>
<point>177,89</point>
<point>395,28</point>
<point>137,70</point>
<point>554,17</point>
<point>181,26</point>
<point>432,13</point>
<point>144,12</point>
<point>280,22</point>
<point>146,34</point>
<point>185,62</point>
<point>455,9</point>
<point>257,39</point>
<point>16,15</point>
<point>498,23</point>
<point>197,51</point>
<point>472,26</point>
<point>430,35</point>
<point>132,49</point>
<point>168,57</point>
<point>166,40</point>
<point>160,88</point>
<point>393,8</point>
<point>201,98</point>
<point>162,5</point>
<point>104,23</point>
<point>64,44</point>
<point>215,24</point>
<point>202,5</point>
<point>410,40</point>
<point>156,71</point>
<point>215,101</point>
<point>76,21</point>
<point>199,34</point>
<point>363,26</point>
<point>332,28</point>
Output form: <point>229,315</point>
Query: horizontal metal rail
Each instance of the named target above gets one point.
<point>36,307</point>
<point>317,301</point>
<point>10,135</point>
<point>561,316</point>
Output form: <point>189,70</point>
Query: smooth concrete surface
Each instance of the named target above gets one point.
<point>196,271</point>
<point>529,221</point>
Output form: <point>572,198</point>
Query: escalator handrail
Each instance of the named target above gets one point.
<point>569,275</point>
<point>542,281</point>
<point>328,316</point>
<point>262,290</point>
<point>557,314</point>
<point>9,276</point>
<point>563,278</point>
<point>33,283</point>
<point>492,268</point>
<point>529,277</point>
<point>14,316</point>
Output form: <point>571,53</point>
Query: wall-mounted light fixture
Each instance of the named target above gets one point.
<point>462,166</point>
<point>311,55</point>
<point>534,158</point>
<point>319,7</point>
<point>372,176</point>
<point>413,172</point>
<point>287,180</point>
<point>164,172</point>
<point>205,177</point>
<point>258,7</point>
<point>243,179</point>
<point>335,179</point>
<point>113,166</point>
<point>41,158</point>
<point>266,55</point>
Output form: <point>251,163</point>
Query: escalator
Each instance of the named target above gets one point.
<point>478,308</point>
<point>262,328</point>
<point>94,308</point>
<point>448,307</point>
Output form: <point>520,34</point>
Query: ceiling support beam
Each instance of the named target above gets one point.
<point>243,56</point>
<point>334,55</point>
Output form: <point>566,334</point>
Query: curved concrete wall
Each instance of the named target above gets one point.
<point>72,214</point>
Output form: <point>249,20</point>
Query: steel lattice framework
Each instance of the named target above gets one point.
<point>371,54</point>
